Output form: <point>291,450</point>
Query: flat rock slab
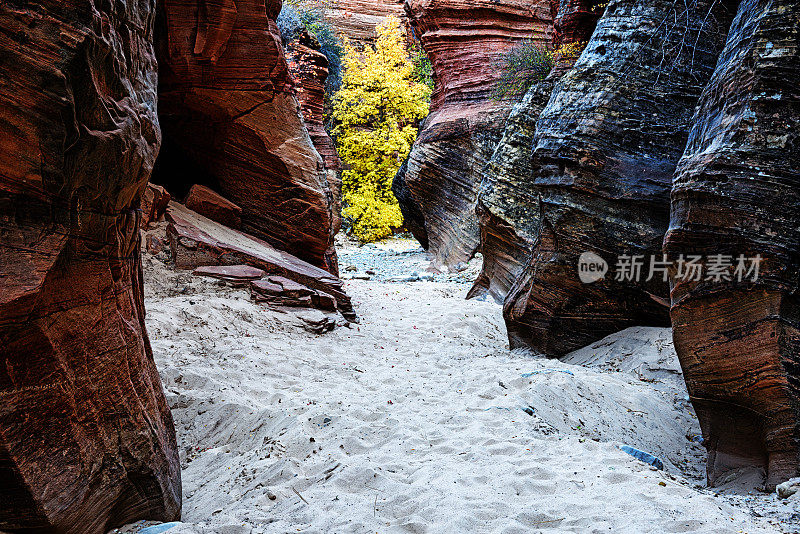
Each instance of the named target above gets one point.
<point>211,204</point>
<point>197,241</point>
<point>233,273</point>
<point>281,291</point>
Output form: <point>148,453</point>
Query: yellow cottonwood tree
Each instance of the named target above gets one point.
<point>376,110</point>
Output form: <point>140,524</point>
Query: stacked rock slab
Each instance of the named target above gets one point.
<point>86,438</point>
<point>197,241</point>
<point>737,192</point>
<point>438,186</point>
<point>231,121</point>
<point>605,149</point>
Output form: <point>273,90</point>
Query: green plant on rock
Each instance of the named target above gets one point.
<point>423,70</point>
<point>376,111</point>
<point>523,65</point>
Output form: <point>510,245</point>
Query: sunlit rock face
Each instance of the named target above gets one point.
<point>737,192</point>
<point>86,438</point>
<point>357,19</point>
<point>231,121</point>
<point>602,154</point>
<point>438,186</point>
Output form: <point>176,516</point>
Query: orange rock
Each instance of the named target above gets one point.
<point>212,205</point>
<point>230,120</point>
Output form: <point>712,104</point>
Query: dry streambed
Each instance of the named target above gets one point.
<point>418,419</point>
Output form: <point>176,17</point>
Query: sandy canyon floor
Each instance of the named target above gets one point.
<point>419,419</point>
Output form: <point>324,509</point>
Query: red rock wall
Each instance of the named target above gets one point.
<point>464,40</point>
<point>737,191</point>
<point>505,205</point>
<point>357,18</point>
<point>230,118</point>
<point>86,438</point>
<point>309,67</point>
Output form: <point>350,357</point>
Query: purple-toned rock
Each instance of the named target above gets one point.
<point>280,291</point>
<point>232,273</point>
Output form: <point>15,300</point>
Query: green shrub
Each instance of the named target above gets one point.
<point>521,67</point>
<point>309,15</point>
<point>423,70</point>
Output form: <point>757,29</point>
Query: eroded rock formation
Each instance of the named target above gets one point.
<point>605,147</point>
<point>309,67</point>
<point>737,192</point>
<point>86,438</point>
<point>231,121</point>
<point>357,18</point>
<point>438,185</point>
<point>197,241</point>
<point>504,205</point>
<point>209,203</point>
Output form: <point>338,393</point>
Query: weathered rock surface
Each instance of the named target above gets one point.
<point>196,241</point>
<point>231,273</point>
<point>231,121</point>
<point>465,40</point>
<point>309,67</point>
<point>357,18</point>
<point>280,291</point>
<point>505,213</point>
<point>86,438</point>
<point>504,205</point>
<point>605,148</point>
<point>211,204</point>
<point>737,191</point>
<point>154,204</point>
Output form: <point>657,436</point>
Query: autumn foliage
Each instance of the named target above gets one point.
<point>376,112</point>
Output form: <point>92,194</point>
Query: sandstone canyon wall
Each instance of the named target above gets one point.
<point>231,121</point>
<point>737,192</point>
<point>588,162</point>
<point>504,207</point>
<point>309,68</point>
<point>605,148</point>
<point>438,185</point>
<point>357,19</point>
<point>86,438</point>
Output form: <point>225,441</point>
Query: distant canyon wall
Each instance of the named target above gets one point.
<point>357,19</point>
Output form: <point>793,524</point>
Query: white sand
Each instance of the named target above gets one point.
<point>411,421</point>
